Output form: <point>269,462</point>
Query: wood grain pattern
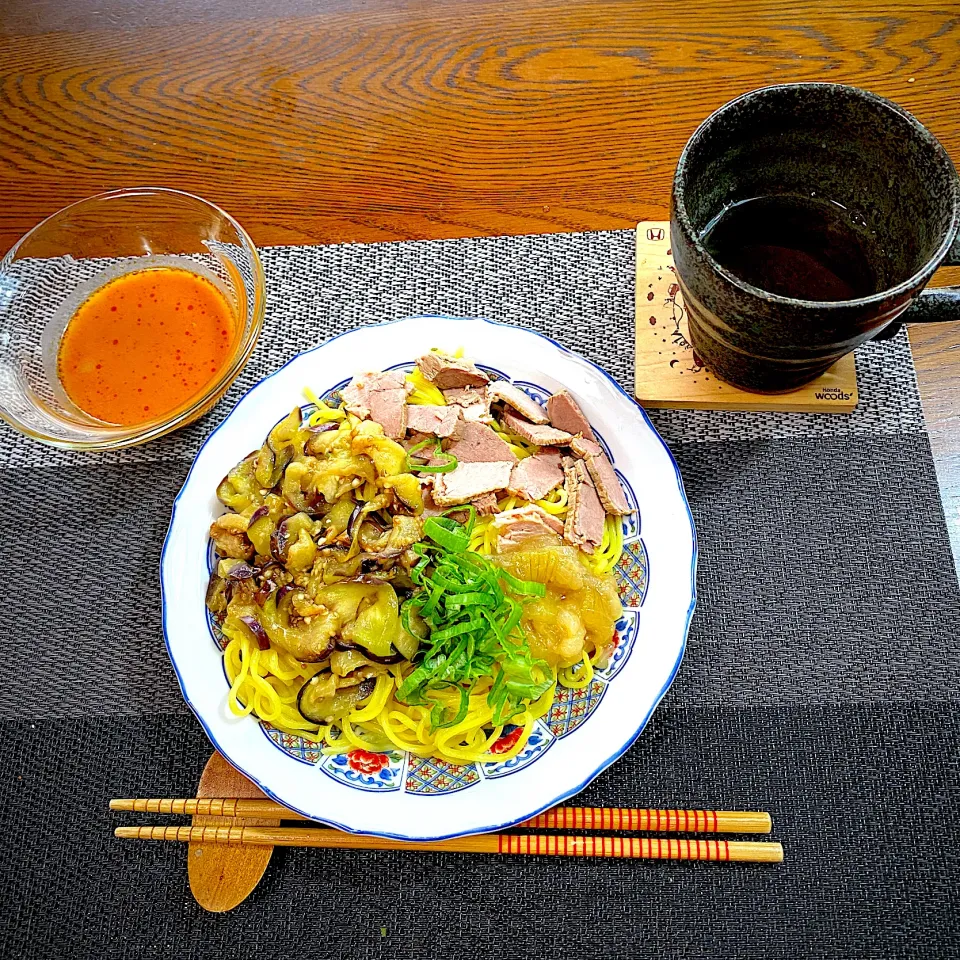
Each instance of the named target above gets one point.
<point>430,119</point>
<point>316,121</point>
<point>222,877</point>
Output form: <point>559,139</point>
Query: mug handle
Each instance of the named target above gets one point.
<point>933,305</point>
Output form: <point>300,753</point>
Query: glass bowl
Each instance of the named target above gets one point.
<point>51,270</point>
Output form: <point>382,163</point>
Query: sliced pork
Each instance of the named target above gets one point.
<point>430,508</point>
<point>479,443</point>
<point>381,397</point>
<point>435,420</point>
<point>486,505</point>
<point>516,398</point>
<point>585,513</point>
<point>565,414</point>
<point>515,526</point>
<point>354,395</point>
<point>474,402</point>
<point>584,448</point>
<point>534,477</point>
<point>603,475</point>
<point>540,434</point>
<point>447,372</point>
<point>413,439</point>
<point>469,481</point>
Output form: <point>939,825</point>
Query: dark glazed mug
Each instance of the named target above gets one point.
<point>848,146</point>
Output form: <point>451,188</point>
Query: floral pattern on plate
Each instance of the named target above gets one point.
<point>366,770</point>
<point>631,522</point>
<point>330,397</point>
<point>536,393</point>
<point>300,748</point>
<point>541,739</point>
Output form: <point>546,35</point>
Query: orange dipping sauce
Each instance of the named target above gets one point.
<point>145,344</point>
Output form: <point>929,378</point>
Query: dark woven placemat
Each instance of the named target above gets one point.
<point>820,680</point>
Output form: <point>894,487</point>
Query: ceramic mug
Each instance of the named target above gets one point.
<point>848,146</point>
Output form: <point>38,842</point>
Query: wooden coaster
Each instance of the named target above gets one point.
<point>670,374</point>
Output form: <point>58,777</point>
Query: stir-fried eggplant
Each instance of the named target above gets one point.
<point>218,596</point>
<point>310,547</point>
<point>229,535</point>
<point>321,702</point>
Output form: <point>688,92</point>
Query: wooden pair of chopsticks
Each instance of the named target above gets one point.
<point>560,818</point>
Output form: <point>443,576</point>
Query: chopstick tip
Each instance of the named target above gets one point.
<point>121,804</point>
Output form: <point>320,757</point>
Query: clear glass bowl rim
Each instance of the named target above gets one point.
<point>115,438</point>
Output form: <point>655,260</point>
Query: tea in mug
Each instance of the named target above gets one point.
<point>807,248</point>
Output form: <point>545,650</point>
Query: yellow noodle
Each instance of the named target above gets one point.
<point>378,700</point>
<point>235,659</point>
<point>474,753</point>
<point>408,727</point>
<point>346,727</point>
<point>520,447</point>
<point>424,392</point>
<point>578,676</point>
<point>383,718</point>
<point>323,413</point>
<point>405,720</point>
<point>280,664</point>
<point>555,502</point>
<point>603,560</point>
<point>387,720</point>
<point>338,744</point>
<point>255,689</point>
<point>540,708</point>
<point>473,719</point>
<point>606,557</point>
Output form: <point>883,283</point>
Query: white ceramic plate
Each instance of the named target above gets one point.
<point>397,795</point>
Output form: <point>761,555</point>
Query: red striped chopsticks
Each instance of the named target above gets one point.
<point>605,819</point>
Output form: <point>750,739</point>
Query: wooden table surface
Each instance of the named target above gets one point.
<point>314,121</point>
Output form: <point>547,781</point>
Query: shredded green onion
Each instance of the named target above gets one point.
<point>414,466</point>
<point>467,613</point>
<point>441,530</point>
<point>438,714</point>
